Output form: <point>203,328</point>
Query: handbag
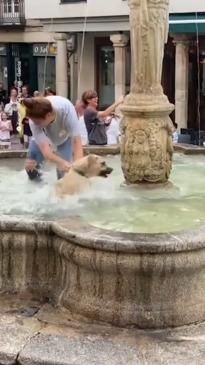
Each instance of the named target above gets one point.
<point>97,135</point>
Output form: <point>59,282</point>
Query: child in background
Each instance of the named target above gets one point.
<point>5,129</point>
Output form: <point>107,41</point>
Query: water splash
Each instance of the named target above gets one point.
<point>107,204</point>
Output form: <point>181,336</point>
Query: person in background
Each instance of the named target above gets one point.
<point>56,135</point>
<point>95,120</point>
<point>2,94</point>
<point>175,134</point>
<point>11,108</point>
<point>36,93</point>
<point>49,91</point>
<point>27,134</point>
<point>5,130</point>
<point>80,108</point>
<point>24,92</point>
<point>23,124</point>
<point>113,129</point>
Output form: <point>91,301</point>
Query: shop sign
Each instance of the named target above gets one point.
<point>42,49</point>
<point>18,76</point>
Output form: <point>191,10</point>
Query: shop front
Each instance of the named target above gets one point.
<point>29,64</point>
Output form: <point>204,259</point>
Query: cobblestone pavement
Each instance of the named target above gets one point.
<point>33,332</point>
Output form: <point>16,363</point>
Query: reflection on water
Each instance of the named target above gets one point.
<point>108,204</point>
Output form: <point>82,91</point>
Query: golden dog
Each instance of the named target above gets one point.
<point>77,179</point>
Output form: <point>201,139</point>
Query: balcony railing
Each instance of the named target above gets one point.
<point>12,13</point>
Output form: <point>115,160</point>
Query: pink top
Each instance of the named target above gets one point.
<point>5,129</point>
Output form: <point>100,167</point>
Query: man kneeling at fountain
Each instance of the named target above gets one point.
<point>54,125</point>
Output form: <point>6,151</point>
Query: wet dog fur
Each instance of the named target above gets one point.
<point>77,179</point>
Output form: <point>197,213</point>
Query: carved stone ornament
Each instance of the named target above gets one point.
<point>146,150</point>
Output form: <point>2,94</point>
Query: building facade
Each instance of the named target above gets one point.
<point>80,45</point>
<point>27,53</point>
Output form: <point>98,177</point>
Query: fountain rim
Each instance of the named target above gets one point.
<point>77,231</point>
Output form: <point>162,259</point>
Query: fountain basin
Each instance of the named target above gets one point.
<point>149,281</point>
<point>146,280</point>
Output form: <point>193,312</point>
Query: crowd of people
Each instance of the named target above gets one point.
<point>12,115</point>
<point>53,129</point>
<point>96,127</point>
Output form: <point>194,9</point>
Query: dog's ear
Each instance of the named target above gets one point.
<point>91,159</point>
<point>81,165</point>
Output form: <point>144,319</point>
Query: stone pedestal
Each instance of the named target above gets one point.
<point>119,43</point>
<point>146,150</point>
<point>181,82</point>
<point>146,143</point>
<point>61,65</point>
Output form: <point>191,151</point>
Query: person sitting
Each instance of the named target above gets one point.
<point>95,120</point>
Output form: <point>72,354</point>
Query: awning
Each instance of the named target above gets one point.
<point>178,23</point>
<point>187,23</point>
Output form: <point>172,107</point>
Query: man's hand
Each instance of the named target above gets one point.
<point>30,165</point>
<point>64,165</point>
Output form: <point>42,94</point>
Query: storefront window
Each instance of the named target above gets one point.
<point>3,72</point>
<point>46,73</point>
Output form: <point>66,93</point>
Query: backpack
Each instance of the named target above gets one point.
<point>97,135</point>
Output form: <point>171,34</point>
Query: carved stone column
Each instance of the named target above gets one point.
<point>61,65</point>
<point>181,81</point>
<point>146,150</point>
<point>119,42</point>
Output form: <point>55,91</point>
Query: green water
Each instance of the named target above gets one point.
<point>108,204</point>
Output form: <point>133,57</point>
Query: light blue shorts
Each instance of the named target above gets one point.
<point>34,153</point>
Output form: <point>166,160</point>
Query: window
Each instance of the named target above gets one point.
<point>106,75</point>
<point>16,6</point>
<point>11,6</point>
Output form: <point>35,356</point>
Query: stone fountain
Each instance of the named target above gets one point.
<point>143,280</point>
<point>147,149</point>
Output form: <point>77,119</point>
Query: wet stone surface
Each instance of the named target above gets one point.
<point>34,333</point>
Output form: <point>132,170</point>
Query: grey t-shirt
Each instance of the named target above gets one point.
<point>65,126</point>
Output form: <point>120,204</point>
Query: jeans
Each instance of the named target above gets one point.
<point>34,153</point>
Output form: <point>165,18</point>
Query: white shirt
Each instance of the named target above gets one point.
<point>175,137</point>
<point>83,131</point>
<point>113,131</point>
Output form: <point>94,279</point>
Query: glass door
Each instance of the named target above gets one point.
<point>105,75</point>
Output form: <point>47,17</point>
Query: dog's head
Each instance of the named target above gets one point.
<point>92,165</point>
